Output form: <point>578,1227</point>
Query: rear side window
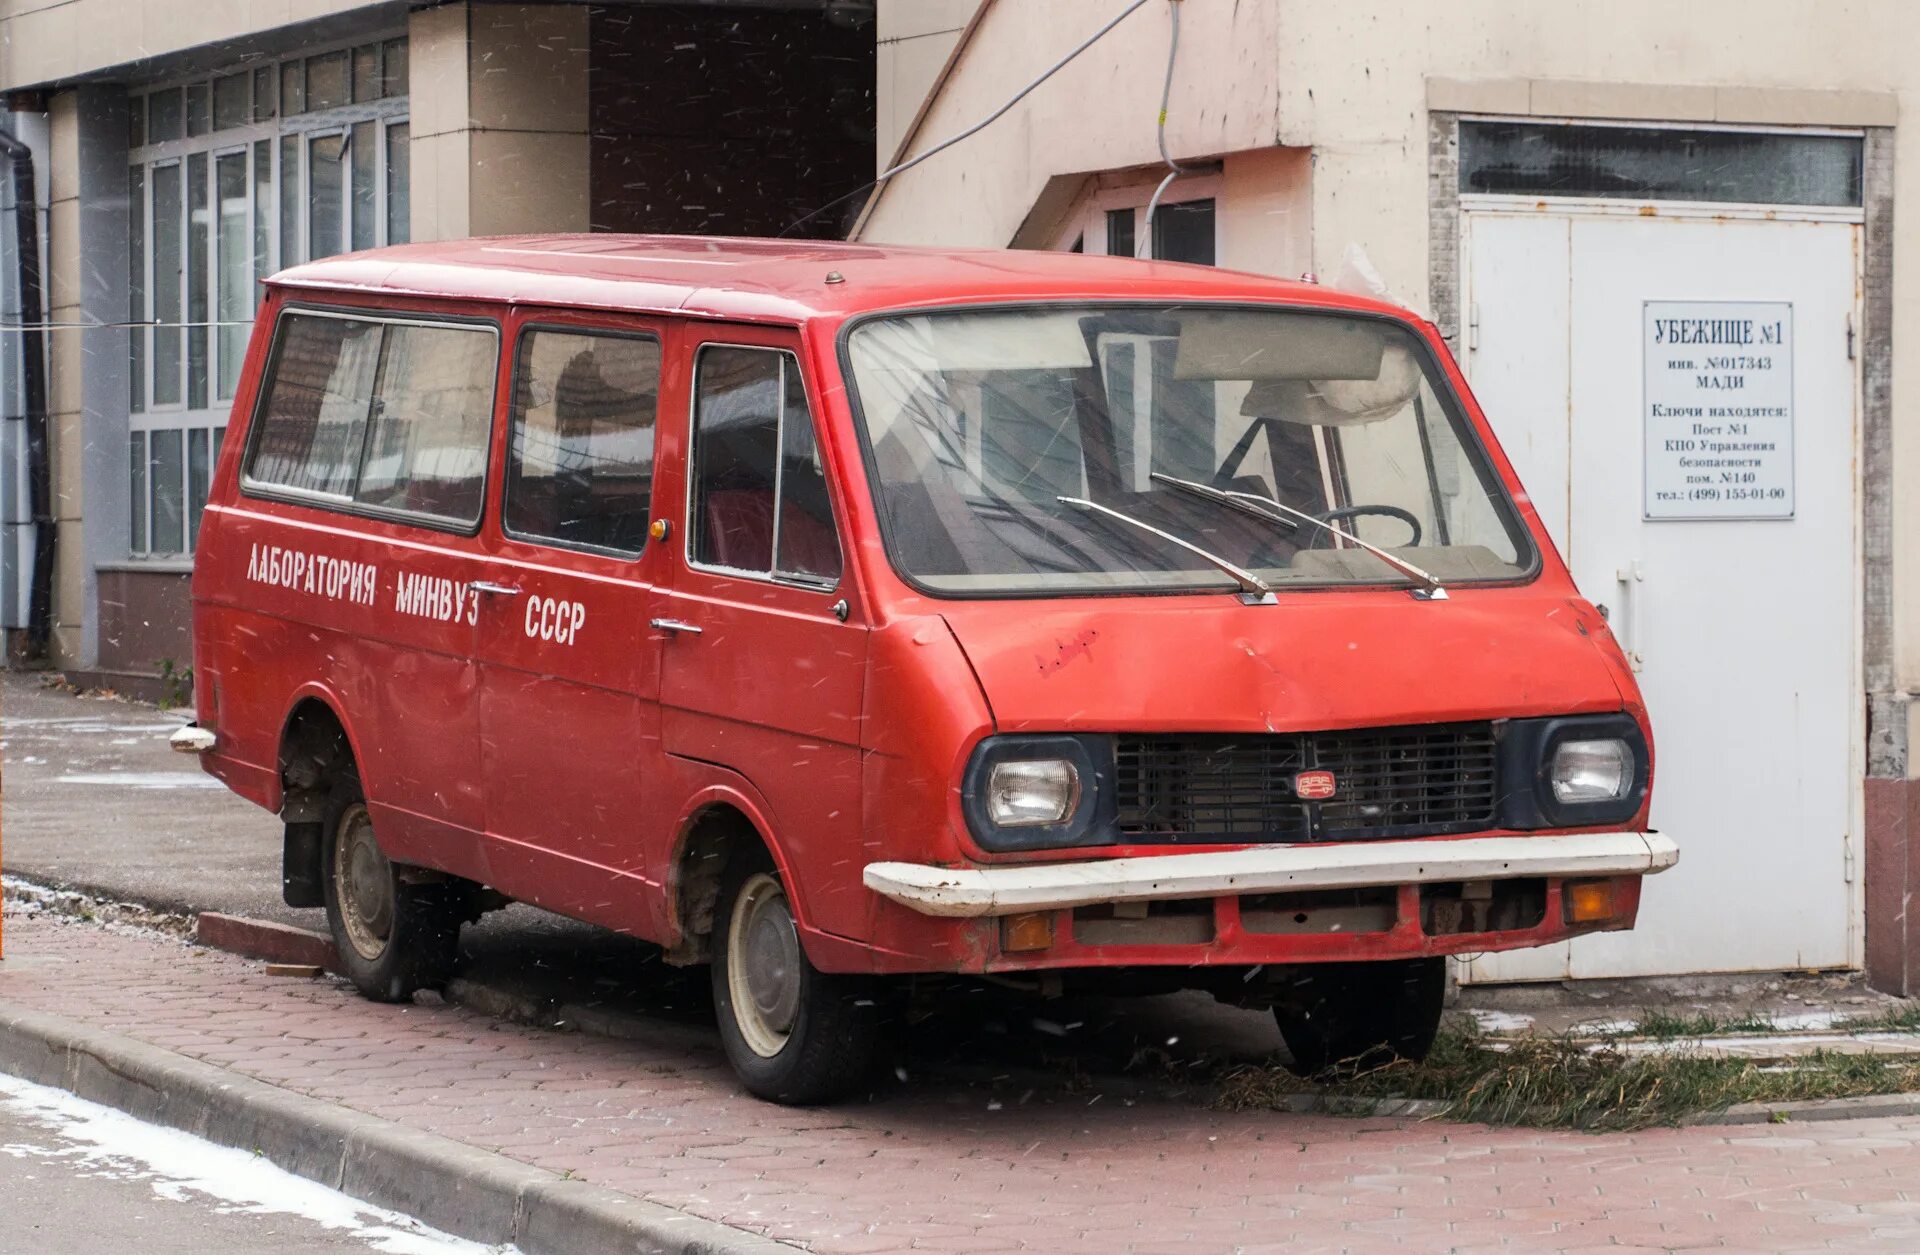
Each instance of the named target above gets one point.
<point>391,415</point>
<point>760,492</point>
<point>580,471</point>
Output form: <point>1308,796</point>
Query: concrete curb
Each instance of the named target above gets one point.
<point>469,1192</point>
<point>1866,1107</point>
<point>259,939</point>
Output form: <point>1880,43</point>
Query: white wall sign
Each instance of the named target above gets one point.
<point>1719,409</point>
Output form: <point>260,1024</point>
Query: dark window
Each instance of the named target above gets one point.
<point>581,469</point>
<point>1120,233</point>
<point>759,487</point>
<point>1184,232</point>
<point>1654,163</point>
<point>393,415</point>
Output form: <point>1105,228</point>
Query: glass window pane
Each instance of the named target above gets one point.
<point>1654,163</point>
<point>262,216</point>
<point>806,542</point>
<point>265,97</point>
<point>581,467</point>
<point>166,469</point>
<point>736,431</point>
<point>399,180</point>
<point>326,179</point>
<point>291,201</point>
<point>230,102</point>
<point>1184,232</point>
<point>198,111</point>
<point>393,78</point>
<point>136,121</point>
<point>137,288</point>
<point>137,492</point>
<point>197,480</point>
<point>293,88</point>
<point>366,72</point>
<point>427,452</point>
<point>314,422</point>
<point>199,233</point>
<point>1120,233</point>
<point>327,81</point>
<point>165,120</point>
<point>233,259</point>
<point>365,146</point>
<point>168,210</point>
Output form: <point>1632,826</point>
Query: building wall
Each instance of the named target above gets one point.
<point>915,41</point>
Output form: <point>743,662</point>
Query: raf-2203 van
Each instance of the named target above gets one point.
<point>832,614</point>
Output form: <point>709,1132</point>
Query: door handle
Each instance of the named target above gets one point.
<point>676,626</point>
<point>1629,578</point>
<point>488,586</point>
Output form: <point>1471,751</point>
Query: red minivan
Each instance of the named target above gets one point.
<point>833,614</point>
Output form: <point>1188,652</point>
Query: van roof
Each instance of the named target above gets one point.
<point>774,280</point>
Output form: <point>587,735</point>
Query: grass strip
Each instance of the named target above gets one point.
<point>1562,1083</point>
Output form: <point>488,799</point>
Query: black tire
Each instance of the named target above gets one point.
<point>818,1036</point>
<point>1355,1015</point>
<point>414,942</point>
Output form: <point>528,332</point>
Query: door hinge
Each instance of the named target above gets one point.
<point>1846,845</point>
<point>1473,325</point>
<point>1852,339</point>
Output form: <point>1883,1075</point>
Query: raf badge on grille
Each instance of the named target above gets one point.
<point>1313,786</point>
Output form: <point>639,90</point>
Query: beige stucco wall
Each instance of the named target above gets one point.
<point>1351,82</point>
<point>498,100</point>
<point>914,41</point>
<point>43,41</point>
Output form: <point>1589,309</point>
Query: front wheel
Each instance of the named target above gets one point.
<point>794,1034</point>
<point>1353,1015</point>
<point>393,937</point>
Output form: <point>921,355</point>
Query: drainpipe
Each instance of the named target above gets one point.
<point>33,377</point>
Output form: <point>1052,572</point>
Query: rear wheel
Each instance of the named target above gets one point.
<point>794,1034</point>
<point>393,937</point>
<point>1353,1015</point>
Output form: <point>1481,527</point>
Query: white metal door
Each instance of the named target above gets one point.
<point>1730,570</point>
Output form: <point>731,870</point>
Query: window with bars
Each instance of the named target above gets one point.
<point>230,178</point>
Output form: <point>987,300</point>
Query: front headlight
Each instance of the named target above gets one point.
<point>1038,791</point>
<point>1592,771</point>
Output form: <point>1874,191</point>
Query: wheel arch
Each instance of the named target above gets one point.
<point>718,821</point>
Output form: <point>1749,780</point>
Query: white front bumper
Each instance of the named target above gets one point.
<point>977,891</point>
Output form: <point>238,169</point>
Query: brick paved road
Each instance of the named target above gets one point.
<point>938,1165</point>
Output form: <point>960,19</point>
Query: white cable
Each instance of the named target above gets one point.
<point>1174,169</point>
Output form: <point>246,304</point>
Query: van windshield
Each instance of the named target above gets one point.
<point>979,424</point>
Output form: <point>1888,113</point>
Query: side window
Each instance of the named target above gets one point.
<point>387,414</point>
<point>580,470</point>
<point>760,500</point>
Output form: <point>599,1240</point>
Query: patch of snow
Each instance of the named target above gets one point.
<point>114,1145</point>
<point>1500,1021</point>
<point>143,779</point>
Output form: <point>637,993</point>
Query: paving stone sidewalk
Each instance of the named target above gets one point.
<point>936,1164</point>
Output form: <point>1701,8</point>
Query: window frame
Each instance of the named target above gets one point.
<point>813,583</point>
<point>265,123</point>
<point>261,490</point>
<point>1506,501</point>
<point>1087,221</point>
<point>520,337</point>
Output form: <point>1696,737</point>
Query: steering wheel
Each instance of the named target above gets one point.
<point>1323,539</point>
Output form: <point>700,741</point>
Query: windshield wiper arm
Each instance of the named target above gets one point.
<point>1254,591</point>
<point>1256,505</point>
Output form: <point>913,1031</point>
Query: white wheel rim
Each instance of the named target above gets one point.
<point>764,965</point>
<point>363,884</point>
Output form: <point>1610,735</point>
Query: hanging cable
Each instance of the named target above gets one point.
<point>1174,168</point>
<point>984,123</point>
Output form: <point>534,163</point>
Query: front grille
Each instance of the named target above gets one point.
<point>1389,782</point>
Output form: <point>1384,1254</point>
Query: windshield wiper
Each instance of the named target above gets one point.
<point>1254,591</point>
<point>1257,506</point>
